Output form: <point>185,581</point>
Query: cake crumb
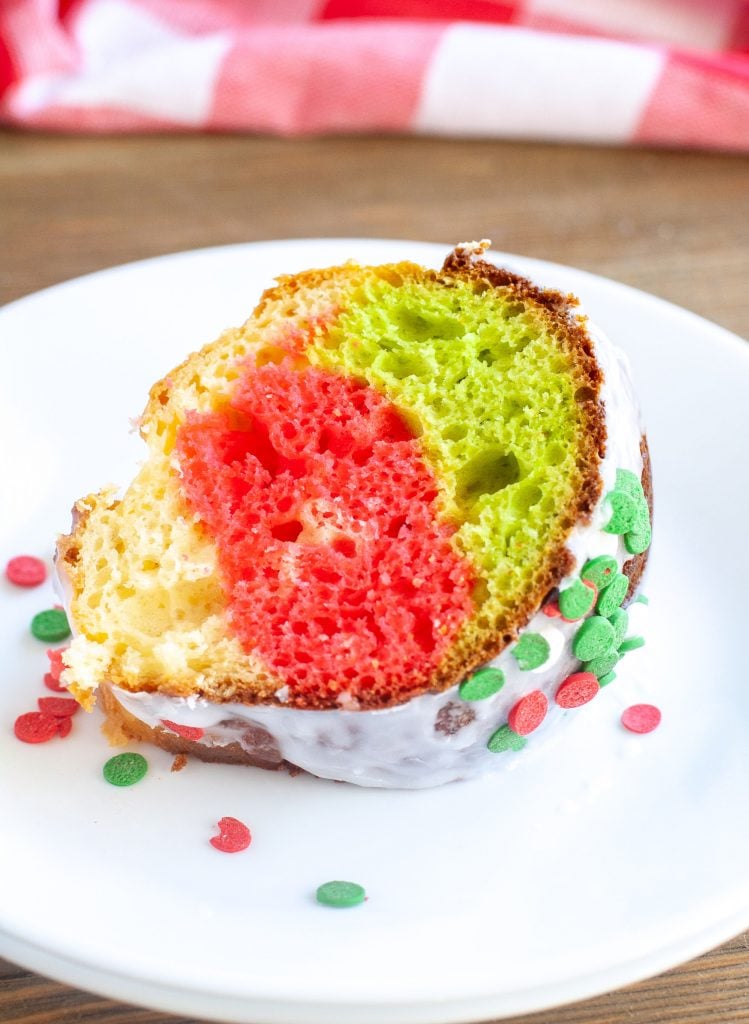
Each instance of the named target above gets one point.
<point>179,762</point>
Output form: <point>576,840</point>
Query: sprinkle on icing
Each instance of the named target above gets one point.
<point>623,512</point>
<point>593,639</point>
<point>602,665</point>
<point>619,619</point>
<point>613,594</point>
<point>637,541</point>
<point>187,732</point>
<point>505,739</point>
<point>577,689</point>
<point>528,713</point>
<point>531,651</point>
<point>599,571</point>
<point>483,683</point>
<point>631,644</point>
<point>577,600</point>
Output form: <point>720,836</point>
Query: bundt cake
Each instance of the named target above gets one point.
<point>381,531</point>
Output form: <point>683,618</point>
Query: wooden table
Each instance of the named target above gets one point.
<point>676,224</point>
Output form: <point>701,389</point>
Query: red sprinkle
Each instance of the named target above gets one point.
<point>552,610</point>
<point>187,732</point>
<point>26,571</point>
<point>528,713</point>
<point>56,666</point>
<point>35,727</point>
<point>52,684</point>
<point>577,690</point>
<point>641,718</point>
<point>58,707</point>
<point>233,836</point>
<point>64,725</point>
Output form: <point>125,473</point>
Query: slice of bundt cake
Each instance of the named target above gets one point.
<point>387,479</point>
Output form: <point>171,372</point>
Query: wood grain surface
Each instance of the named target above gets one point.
<point>676,224</point>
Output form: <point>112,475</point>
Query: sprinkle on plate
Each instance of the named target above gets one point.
<point>233,836</point>
<point>641,718</point>
<point>26,571</point>
<point>340,894</point>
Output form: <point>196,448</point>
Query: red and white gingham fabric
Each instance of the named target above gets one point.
<point>673,72</point>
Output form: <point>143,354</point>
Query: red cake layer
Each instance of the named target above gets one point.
<point>337,569</point>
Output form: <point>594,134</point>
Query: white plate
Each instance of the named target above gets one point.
<point>603,858</point>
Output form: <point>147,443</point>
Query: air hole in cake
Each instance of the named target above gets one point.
<point>362,456</point>
<point>555,454</point>
<point>487,473</point>
<point>455,432</point>
<point>525,497</point>
<point>326,575</point>
<point>344,546</point>
<point>287,531</point>
<point>396,524</point>
<point>270,354</point>
<point>514,309</point>
<point>585,394</point>
<point>423,631</point>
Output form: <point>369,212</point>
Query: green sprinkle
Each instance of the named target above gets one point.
<point>608,678</point>
<point>505,739</point>
<point>576,600</point>
<point>612,595</point>
<point>50,625</point>
<point>623,512</point>
<point>482,684</point>
<point>629,482</point>
<point>641,599</point>
<point>531,651</point>
<point>631,644</point>
<point>601,666</point>
<point>619,619</point>
<point>593,639</point>
<point>340,894</point>
<point>599,570</point>
<point>642,515</point>
<point>636,542</point>
<point>125,769</point>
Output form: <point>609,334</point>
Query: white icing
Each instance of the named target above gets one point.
<point>400,746</point>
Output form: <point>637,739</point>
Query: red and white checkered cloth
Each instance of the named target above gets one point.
<point>672,72</point>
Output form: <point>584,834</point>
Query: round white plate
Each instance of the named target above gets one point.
<point>604,857</point>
